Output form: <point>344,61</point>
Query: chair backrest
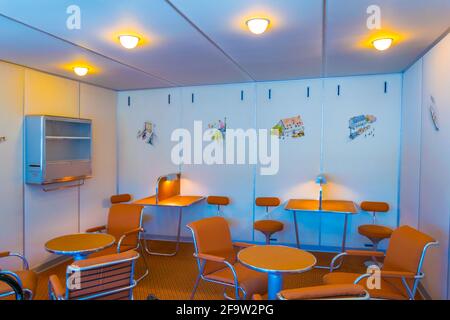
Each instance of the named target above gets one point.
<point>217,200</point>
<point>371,206</point>
<point>267,202</point>
<point>120,198</point>
<point>212,236</point>
<point>109,277</point>
<point>406,250</point>
<point>123,218</point>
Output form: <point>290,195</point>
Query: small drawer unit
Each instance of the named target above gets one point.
<point>57,149</point>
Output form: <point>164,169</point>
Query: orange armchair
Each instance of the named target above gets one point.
<point>26,278</point>
<point>324,292</point>
<point>402,268</point>
<point>217,261</point>
<point>125,224</point>
<point>108,277</point>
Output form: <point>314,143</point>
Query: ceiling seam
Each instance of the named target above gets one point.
<point>90,50</point>
<point>209,39</point>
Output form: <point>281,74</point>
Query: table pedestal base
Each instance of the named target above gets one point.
<point>275,285</point>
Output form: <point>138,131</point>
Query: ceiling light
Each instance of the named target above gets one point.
<point>128,41</point>
<point>258,25</point>
<point>81,71</point>
<point>382,44</point>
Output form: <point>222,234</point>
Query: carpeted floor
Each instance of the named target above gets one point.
<point>173,277</point>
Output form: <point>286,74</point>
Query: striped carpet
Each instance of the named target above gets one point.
<point>172,278</point>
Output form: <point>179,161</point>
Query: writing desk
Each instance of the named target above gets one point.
<point>328,206</point>
<point>168,196</point>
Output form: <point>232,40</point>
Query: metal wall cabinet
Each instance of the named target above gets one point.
<point>57,149</point>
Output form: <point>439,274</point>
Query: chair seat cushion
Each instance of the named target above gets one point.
<point>389,289</point>
<point>249,280</point>
<point>374,231</point>
<point>29,281</point>
<point>268,226</point>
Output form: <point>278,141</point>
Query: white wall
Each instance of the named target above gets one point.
<point>433,204</point>
<point>11,192</point>
<point>367,168</point>
<point>411,141</point>
<point>26,228</point>
<point>363,169</point>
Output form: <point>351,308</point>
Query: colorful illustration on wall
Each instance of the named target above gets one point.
<point>433,113</point>
<point>147,134</point>
<point>218,129</point>
<point>362,125</point>
<point>290,127</point>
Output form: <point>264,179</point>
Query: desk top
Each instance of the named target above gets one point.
<point>331,206</point>
<point>86,243</point>
<point>273,258</point>
<point>175,201</point>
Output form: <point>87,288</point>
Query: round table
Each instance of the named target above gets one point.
<point>276,260</point>
<point>80,245</point>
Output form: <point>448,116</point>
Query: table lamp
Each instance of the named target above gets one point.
<point>321,180</point>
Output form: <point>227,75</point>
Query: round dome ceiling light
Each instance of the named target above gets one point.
<point>382,44</point>
<point>258,25</point>
<point>81,71</point>
<point>129,41</point>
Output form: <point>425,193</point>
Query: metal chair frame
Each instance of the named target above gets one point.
<point>411,291</point>
<point>201,265</point>
<point>25,266</point>
<point>70,270</point>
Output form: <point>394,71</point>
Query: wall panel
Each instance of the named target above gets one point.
<point>141,164</point>
<point>51,214</point>
<point>11,192</point>
<point>299,159</point>
<point>367,167</point>
<point>211,104</point>
<point>411,141</point>
<point>99,105</point>
<point>435,170</point>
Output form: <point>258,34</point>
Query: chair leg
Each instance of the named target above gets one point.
<point>197,281</point>
<point>146,265</point>
<point>268,238</point>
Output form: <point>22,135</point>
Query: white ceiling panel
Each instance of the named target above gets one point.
<point>195,42</point>
<point>414,25</point>
<point>37,50</point>
<point>290,49</point>
<point>172,49</point>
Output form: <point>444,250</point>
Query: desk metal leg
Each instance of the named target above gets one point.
<point>177,246</point>
<point>275,285</point>
<point>296,229</point>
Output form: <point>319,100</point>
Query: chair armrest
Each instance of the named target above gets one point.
<point>126,234</point>
<point>364,253</point>
<point>55,288</point>
<point>96,229</point>
<point>398,274</point>
<point>338,291</point>
<point>243,244</point>
<point>5,254</point>
<point>209,257</point>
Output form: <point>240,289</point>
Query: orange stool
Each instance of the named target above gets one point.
<point>218,201</point>
<point>120,198</point>
<point>268,227</point>
<point>375,232</point>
